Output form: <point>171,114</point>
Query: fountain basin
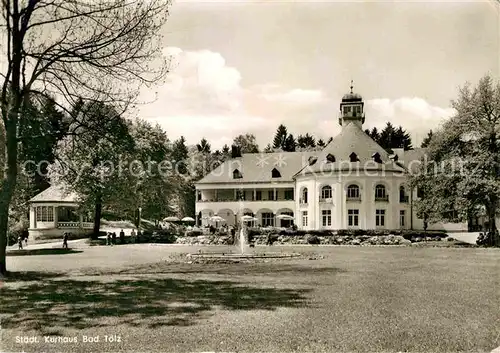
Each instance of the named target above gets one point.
<point>224,256</point>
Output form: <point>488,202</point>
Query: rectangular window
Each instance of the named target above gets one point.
<point>357,109</point>
<point>270,195</point>
<point>347,110</point>
<point>258,195</point>
<point>304,218</point>
<point>44,214</point>
<point>199,195</point>
<point>288,194</point>
<point>327,218</point>
<point>353,218</point>
<point>402,218</point>
<point>267,219</point>
<point>380,218</point>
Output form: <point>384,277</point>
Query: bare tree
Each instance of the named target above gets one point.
<point>91,49</point>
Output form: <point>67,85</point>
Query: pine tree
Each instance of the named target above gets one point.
<point>280,137</point>
<point>290,144</point>
<point>427,140</point>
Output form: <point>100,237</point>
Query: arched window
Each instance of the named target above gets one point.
<point>276,173</point>
<point>237,174</point>
<point>380,192</point>
<point>354,157</point>
<point>402,194</point>
<point>353,192</point>
<point>326,192</point>
<point>330,158</point>
<point>303,197</point>
<point>376,157</point>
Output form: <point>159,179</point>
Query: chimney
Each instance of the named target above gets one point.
<point>235,151</point>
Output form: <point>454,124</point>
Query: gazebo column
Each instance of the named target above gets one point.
<point>80,217</point>
<point>32,217</point>
<point>56,214</point>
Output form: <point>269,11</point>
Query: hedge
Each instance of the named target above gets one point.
<point>407,234</point>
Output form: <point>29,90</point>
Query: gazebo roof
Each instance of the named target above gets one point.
<point>55,193</point>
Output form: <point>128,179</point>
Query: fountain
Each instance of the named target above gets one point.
<point>241,245</point>
<point>243,240</point>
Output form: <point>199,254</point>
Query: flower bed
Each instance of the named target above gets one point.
<point>308,238</point>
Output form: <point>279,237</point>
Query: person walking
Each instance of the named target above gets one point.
<point>25,236</point>
<point>65,240</point>
<point>20,242</point>
<point>108,238</point>
<point>113,237</point>
<point>122,237</point>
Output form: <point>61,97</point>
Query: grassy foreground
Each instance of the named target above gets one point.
<point>371,299</point>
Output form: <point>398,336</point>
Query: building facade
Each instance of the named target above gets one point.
<point>352,183</point>
<point>54,212</point>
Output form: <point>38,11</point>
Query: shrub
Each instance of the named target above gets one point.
<point>271,238</point>
<point>193,233</point>
<point>313,240</point>
<point>165,239</point>
<point>488,239</point>
<point>451,239</point>
<point>254,231</point>
<point>15,231</point>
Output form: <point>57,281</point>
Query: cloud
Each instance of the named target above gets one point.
<point>297,96</point>
<point>204,97</point>
<point>414,114</point>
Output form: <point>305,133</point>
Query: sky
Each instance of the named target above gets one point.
<point>246,67</point>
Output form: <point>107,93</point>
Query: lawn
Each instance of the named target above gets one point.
<point>365,299</point>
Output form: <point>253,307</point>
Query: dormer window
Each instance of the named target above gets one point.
<point>237,174</point>
<point>394,157</point>
<point>330,158</point>
<point>276,173</point>
<point>354,157</point>
<point>376,157</point>
<point>312,160</point>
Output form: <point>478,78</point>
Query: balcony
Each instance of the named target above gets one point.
<point>403,199</point>
<point>245,200</point>
<point>382,198</point>
<point>353,198</point>
<point>233,204</point>
<point>326,200</point>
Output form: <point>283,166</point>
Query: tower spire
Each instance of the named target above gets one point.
<point>352,82</point>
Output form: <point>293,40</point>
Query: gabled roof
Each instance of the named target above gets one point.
<point>257,167</point>
<point>55,193</point>
<point>352,139</point>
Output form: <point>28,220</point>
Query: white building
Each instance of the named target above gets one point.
<point>54,212</point>
<point>352,183</point>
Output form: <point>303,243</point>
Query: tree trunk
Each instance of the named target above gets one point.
<point>97,217</point>
<point>8,187</point>
<point>491,210</point>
